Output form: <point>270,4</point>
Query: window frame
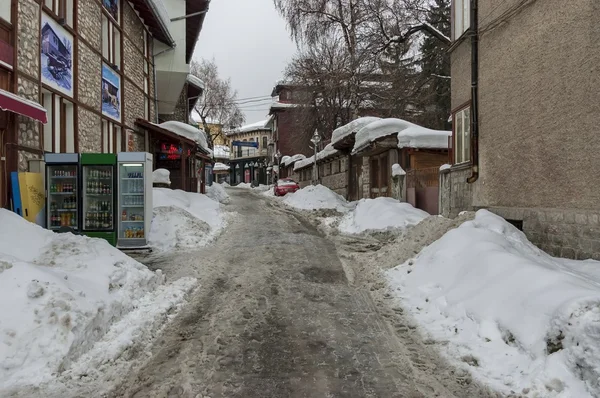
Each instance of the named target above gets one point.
<point>60,130</point>
<point>460,22</point>
<point>111,137</point>
<point>460,154</point>
<point>59,9</point>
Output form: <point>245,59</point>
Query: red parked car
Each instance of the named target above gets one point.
<point>284,186</point>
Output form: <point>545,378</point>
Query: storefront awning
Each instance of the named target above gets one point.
<point>13,103</point>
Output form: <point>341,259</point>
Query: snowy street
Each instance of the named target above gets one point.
<point>275,317</point>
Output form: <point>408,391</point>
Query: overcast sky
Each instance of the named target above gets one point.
<point>250,44</point>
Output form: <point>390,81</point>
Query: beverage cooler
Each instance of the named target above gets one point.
<point>98,193</point>
<point>134,200</point>
<point>62,191</point>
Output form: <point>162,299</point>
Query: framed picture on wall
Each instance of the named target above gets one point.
<point>111,93</point>
<point>56,56</point>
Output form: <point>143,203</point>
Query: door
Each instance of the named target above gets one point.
<point>379,175</point>
<point>131,210</point>
<point>98,198</point>
<point>63,200</point>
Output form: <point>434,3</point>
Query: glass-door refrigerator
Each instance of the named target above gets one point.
<point>98,193</point>
<point>62,191</point>
<point>135,199</point>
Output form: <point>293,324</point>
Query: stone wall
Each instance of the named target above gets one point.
<point>335,176</point>
<point>565,233</point>
<point>28,129</point>
<point>133,63</point>
<point>28,39</point>
<point>89,77</point>
<point>180,113</point>
<point>132,26</point>
<point>24,158</point>
<point>455,193</point>
<point>134,100</point>
<point>89,22</point>
<point>90,127</point>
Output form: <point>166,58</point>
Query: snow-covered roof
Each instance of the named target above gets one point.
<point>328,151</point>
<point>185,130</point>
<point>220,167</point>
<point>292,159</point>
<point>304,162</point>
<point>196,81</point>
<point>409,135</point>
<point>422,137</point>
<point>285,159</point>
<point>262,125</point>
<point>397,170</point>
<point>342,132</point>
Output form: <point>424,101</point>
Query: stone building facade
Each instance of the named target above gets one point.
<point>528,164</point>
<point>61,53</point>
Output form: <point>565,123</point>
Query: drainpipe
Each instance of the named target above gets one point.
<point>474,94</point>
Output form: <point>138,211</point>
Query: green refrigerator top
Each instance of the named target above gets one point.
<point>98,158</point>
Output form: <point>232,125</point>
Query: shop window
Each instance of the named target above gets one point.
<point>63,9</point>
<point>111,42</point>
<point>58,134</point>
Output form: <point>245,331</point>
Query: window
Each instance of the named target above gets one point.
<point>462,135</point>
<point>111,137</point>
<point>461,20</point>
<point>5,13</point>
<point>63,9</point>
<point>58,134</point>
<point>264,142</point>
<point>111,42</point>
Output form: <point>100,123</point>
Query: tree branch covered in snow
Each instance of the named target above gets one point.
<point>218,104</point>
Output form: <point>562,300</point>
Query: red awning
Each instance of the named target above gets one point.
<point>13,103</point>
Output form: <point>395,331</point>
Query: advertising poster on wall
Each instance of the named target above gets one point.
<point>111,93</point>
<point>56,55</point>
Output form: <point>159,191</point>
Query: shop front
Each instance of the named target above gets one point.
<point>184,159</point>
<point>248,170</point>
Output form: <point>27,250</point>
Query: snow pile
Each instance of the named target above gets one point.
<point>220,167</point>
<point>244,185</point>
<point>59,294</point>
<point>217,193</point>
<point>292,159</point>
<point>518,318</point>
<point>380,214</point>
<point>269,193</point>
<point>304,162</point>
<point>161,176</point>
<point>409,135</point>
<point>342,132</point>
<point>445,167</point>
<point>316,197</point>
<point>225,184</point>
<point>185,130</point>
<point>183,219</point>
<point>328,151</point>
<point>397,170</point>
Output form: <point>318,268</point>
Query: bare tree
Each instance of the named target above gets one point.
<point>218,104</point>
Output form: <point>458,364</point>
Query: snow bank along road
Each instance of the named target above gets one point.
<point>276,317</point>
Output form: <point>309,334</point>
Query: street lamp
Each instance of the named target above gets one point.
<point>277,156</point>
<point>316,138</point>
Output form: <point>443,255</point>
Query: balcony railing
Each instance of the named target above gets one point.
<point>248,153</point>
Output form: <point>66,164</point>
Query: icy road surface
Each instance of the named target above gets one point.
<point>276,317</point>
